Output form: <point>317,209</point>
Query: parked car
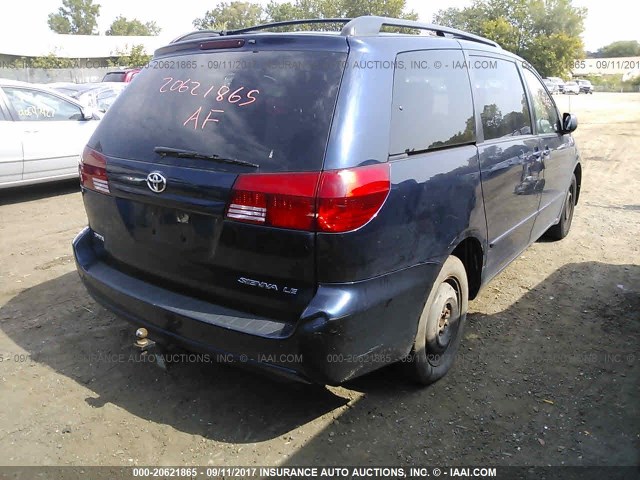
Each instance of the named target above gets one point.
<point>126,75</point>
<point>559,82</point>
<point>43,133</point>
<point>551,85</point>
<point>585,86</point>
<point>98,96</point>
<point>282,218</point>
<point>572,87</point>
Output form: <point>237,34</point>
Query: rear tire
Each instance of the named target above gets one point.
<point>561,229</point>
<point>440,325</point>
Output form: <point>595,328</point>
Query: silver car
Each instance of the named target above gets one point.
<point>572,87</point>
<point>551,85</point>
<point>98,96</point>
<point>43,133</point>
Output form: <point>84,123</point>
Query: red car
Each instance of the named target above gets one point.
<point>125,75</point>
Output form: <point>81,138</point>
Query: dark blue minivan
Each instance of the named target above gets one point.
<point>321,204</point>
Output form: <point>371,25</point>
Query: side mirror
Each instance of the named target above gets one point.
<point>88,113</point>
<point>569,123</point>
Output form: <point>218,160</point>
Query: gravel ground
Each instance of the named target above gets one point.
<point>548,372</point>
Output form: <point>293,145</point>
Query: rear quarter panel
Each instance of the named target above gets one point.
<point>435,201</point>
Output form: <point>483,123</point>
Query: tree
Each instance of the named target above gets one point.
<point>76,17</point>
<point>124,27</point>
<point>136,57</point>
<point>544,32</point>
<point>630,48</point>
<point>303,9</point>
<point>231,16</point>
<point>51,61</point>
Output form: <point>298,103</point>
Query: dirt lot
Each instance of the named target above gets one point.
<point>549,372</point>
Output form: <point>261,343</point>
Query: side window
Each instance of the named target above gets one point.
<point>105,99</point>
<point>35,105</point>
<point>500,99</point>
<point>544,110</point>
<point>432,106</point>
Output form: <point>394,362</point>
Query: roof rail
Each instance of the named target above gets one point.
<point>264,26</point>
<point>287,23</point>
<point>371,25</point>
<point>196,34</point>
<point>364,25</point>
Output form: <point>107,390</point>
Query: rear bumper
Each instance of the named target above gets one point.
<point>346,330</point>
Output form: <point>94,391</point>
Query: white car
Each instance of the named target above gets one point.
<point>97,96</point>
<point>43,133</point>
<point>571,87</point>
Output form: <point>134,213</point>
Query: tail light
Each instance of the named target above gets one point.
<point>277,200</point>
<point>93,171</point>
<point>330,201</point>
<point>347,199</point>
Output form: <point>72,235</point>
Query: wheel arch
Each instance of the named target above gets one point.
<point>470,252</point>
<point>578,173</point>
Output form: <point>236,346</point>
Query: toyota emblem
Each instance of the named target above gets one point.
<point>156,182</point>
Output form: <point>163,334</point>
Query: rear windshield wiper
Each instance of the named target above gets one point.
<point>180,153</point>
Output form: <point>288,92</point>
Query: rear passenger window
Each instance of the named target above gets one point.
<point>500,99</point>
<point>544,109</point>
<point>432,104</point>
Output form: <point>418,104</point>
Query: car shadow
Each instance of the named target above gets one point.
<point>29,193</point>
<point>59,325</point>
<point>540,372</point>
<point>551,380</point>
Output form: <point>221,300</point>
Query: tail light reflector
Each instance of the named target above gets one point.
<point>330,201</point>
<point>93,171</point>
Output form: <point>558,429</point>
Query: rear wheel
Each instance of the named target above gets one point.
<point>561,229</point>
<point>441,324</point>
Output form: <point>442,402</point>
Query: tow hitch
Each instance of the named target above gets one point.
<point>149,348</point>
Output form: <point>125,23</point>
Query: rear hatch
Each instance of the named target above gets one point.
<point>198,118</point>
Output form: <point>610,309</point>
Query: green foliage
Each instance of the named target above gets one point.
<point>231,16</point>
<point>629,48</point>
<point>77,17</point>
<point>51,61</point>
<point>604,80</point>
<point>302,9</point>
<point>122,26</point>
<point>614,82</point>
<point>544,32</point>
<point>135,57</point>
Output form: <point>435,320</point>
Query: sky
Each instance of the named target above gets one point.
<point>606,21</point>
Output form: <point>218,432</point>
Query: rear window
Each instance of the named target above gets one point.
<point>273,108</point>
<point>114,77</point>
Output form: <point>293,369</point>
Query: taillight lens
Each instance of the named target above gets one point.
<point>347,199</point>
<point>331,201</point>
<point>278,200</point>
<point>93,171</point>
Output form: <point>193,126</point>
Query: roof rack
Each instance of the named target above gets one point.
<point>371,25</point>
<point>267,26</point>
<point>264,26</point>
<point>197,34</point>
<point>364,25</point>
